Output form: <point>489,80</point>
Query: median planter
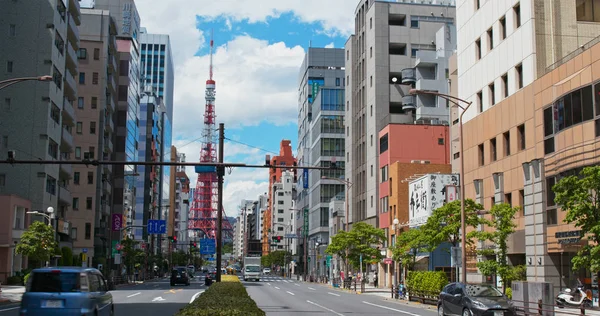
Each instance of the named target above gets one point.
<point>226,298</point>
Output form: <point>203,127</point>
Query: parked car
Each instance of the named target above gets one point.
<point>267,271</point>
<point>473,300</point>
<point>179,275</point>
<point>67,291</point>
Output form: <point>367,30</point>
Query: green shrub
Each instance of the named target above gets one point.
<point>426,283</point>
<point>14,280</point>
<point>223,299</point>
<point>67,255</point>
<point>26,278</point>
<point>509,293</point>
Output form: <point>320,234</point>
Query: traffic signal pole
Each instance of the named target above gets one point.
<point>220,174</point>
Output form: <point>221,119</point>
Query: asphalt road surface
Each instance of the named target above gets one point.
<point>279,296</point>
<point>153,298</point>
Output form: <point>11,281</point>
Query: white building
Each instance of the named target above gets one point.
<point>283,216</point>
<point>238,237</point>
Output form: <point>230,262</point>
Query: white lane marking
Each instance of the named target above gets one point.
<point>196,296</point>
<point>134,294</point>
<point>269,284</point>
<point>277,288</point>
<point>297,284</point>
<point>290,293</point>
<point>325,308</point>
<point>310,288</point>
<point>333,294</point>
<point>391,309</point>
<point>9,309</point>
<point>158,299</point>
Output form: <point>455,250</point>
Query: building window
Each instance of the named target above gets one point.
<point>505,85</point>
<point>82,78</point>
<point>88,203</point>
<point>506,139</point>
<point>90,177</point>
<point>480,101</point>
<point>588,10</point>
<point>492,91</point>
<point>80,102</point>
<point>490,38</point>
<point>370,23</point>
<point>337,82</point>
<point>94,78</point>
<point>12,30</point>
<point>76,177</point>
<point>480,154</point>
<point>502,27</point>
<point>371,81</point>
<point>92,127</point>
<point>519,77</point>
<point>493,151</point>
<point>91,152</point>
<point>75,203</point>
<point>456,155</point>
<point>414,22</point>
<point>521,136</point>
<point>413,52</point>
<point>96,53</point>
<point>94,102</point>
<point>79,127</point>
<point>477,4</point>
<point>52,148</point>
<point>82,53</point>
<point>371,52</point>
<point>478,49</point>
<point>51,185</point>
<point>517,13</point>
<point>74,233</point>
<point>9,66</point>
<point>88,231</point>
<point>383,144</point>
<point>77,152</point>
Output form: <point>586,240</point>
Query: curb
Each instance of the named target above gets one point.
<point>412,304</point>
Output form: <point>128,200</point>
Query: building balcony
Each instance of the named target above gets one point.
<point>426,58</point>
<point>112,63</point>
<point>73,33</point>
<point>70,86</point>
<point>109,124</point>
<point>108,145</point>
<point>66,143</point>
<point>409,102</point>
<point>106,186</point>
<point>75,11</point>
<point>65,170</point>
<point>110,80</point>
<point>64,195</point>
<point>398,62</point>
<point>431,84</point>
<point>68,113</point>
<point>71,59</point>
<point>409,75</point>
<point>110,103</point>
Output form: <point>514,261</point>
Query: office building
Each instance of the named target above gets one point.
<point>93,136</point>
<point>542,128</point>
<point>389,39</point>
<point>127,114</point>
<point>285,158</point>
<point>180,193</point>
<point>283,193</point>
<point>40,38</point>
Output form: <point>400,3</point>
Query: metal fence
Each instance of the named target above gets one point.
<point>572,55</point>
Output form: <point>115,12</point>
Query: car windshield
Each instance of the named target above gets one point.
<point>252,269</point>
<point>55,282</point>
<point>482,290</point>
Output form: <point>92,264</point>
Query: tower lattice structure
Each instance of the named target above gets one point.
<point>203,213</point>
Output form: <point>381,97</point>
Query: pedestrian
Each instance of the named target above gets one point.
<point>375,280</point>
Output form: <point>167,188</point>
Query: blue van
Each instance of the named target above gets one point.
<point>67,291</point>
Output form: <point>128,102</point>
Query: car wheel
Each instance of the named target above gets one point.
<point>466,312</point>
<point>441,311</point>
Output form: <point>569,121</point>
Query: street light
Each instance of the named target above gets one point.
<point>463,226</point>
<point>10,82</point>
<point>49,216</point>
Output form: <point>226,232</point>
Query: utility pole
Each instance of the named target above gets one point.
<point>220,174</point>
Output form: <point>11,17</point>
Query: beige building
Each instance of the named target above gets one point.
<point>93,137</point>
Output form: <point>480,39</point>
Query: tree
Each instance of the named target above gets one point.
<point>444,224</point>
<point>408,244</point>
<point>502,227</point>
<point>37,242</point>
<point>227,248</point>
<point>358,242</point>
<point>580,198</point>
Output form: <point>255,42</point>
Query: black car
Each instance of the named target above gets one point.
<point>179,275</point>
<point>473,300</point>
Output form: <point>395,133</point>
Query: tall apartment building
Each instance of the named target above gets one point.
<point>94,135</point>
<point>320,135</point>
<point>37,119</point>
<point>261,207</point>
<point>387,40</point>
<point>180,191</point>
<point>283,193</point>
<point>238,237</point>
<point>127,114</point>
<point>156,64</point>
<point>148,181</point>
<point>534,120</point>
<point>285,158</point>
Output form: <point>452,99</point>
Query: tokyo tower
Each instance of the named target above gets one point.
<point>203,213</point>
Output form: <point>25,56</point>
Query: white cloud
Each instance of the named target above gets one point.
<point>330,45</point>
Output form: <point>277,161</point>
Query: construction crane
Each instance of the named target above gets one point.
<point>203,213</point>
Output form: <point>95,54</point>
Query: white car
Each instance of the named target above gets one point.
<point>266,270</point>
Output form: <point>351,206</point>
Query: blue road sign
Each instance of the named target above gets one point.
<point>157,226</point>
<point>207,246</point>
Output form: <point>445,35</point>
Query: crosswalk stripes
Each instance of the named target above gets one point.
<point>277,279</point>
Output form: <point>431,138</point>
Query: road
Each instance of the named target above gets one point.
<point>279,296</point>
<point>153,298</point>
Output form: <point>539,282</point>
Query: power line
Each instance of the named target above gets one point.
<point>251,146</point>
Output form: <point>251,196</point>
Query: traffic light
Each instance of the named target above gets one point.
<point>277,239</point>
<point>174,239</point>
<point>192,245</point>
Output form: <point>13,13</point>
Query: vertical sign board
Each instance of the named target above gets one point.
<point>427,193</point>
<point>305,178</point>
<point>305,226</point>
<point>117,222</point>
